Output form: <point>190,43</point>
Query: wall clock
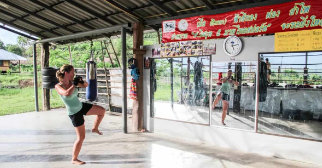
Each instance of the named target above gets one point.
<point>232,45</point>
<point>183,25</point>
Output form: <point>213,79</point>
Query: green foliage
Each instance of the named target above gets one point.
<point>2,46</point>
<point>14,48</point>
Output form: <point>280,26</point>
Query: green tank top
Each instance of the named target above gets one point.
<point>72,103</point>
<point>225,87</point>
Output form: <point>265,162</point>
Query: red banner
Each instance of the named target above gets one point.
<point>296,15</point>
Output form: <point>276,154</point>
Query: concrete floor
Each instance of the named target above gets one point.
<point>45,140</point>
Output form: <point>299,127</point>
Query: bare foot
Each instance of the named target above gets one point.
<point>223,123</point>
<point>97,131</point>
<point>78,162</point>
<point>142,130</point>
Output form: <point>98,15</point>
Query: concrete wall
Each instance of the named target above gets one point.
<point>251,47</point>
<point>246,141</point>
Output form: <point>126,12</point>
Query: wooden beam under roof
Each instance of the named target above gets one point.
<point>160,6</point>
<point>26,21</point>
<point>62,14</point>
<point>208,4</point>
<point>37,15</point>
<point>125,10</point>
<point>92,12</point>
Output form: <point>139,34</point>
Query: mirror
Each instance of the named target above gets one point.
<point>182,89</point>
<point>233,94</point>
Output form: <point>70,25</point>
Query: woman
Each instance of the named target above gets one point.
<point>66,88</point>
<point>224,94</point>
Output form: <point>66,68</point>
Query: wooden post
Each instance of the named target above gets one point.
<point>137,111</point>
<point>44,64</point>
<point>70,56</point>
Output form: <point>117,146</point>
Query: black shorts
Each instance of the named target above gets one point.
<point>225,96</point>
<point>78,118</point>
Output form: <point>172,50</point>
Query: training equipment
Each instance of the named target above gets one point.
<point>91,89</point>
<point>49,79</point>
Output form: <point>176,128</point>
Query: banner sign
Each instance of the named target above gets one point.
<point>295,15</point>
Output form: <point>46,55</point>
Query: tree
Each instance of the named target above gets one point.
<point>2,46</point>
<point>14,48</point>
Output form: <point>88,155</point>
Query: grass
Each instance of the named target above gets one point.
<point>14,78</point>
<point>15,101</point>
<point>163,92</point>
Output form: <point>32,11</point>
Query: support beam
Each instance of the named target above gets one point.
<point>85,34</point>
<point>61,14</point>
<point>138,53</point>
<point>161,7</point>
<point>125,10</point>
<point>45,64</point>
<point>26,21</point>
<point>37,15</point>
<point>35,76</point>
<point>21,34</point>
<point>124,80</point>
<point>92,12</point>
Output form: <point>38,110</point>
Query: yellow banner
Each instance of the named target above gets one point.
<point>306,40</point>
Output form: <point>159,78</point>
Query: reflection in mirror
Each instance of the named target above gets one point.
<point>182,89</point>
<point>290,103</point>
<point>233,94</point>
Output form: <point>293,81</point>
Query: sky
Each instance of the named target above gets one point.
<point>8,37</point>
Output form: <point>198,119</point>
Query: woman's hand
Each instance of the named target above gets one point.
<point>82,85</point>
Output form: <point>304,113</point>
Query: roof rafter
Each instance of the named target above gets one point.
<point>61,14</point>
<point>22,28</point>
<point>28,22</point>
<point>125,10</point>
<point>38,16</point>
<point>21,34</point>
<point>161,6</point>
<point>92,12</point>
<point>208,5</point>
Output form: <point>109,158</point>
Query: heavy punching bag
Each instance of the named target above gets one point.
<point>91,78</point>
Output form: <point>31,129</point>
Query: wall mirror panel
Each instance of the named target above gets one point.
<point>233,94</point>
<point>181,89</point>
<point>291,102</point>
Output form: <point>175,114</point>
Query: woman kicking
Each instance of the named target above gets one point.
<point>224,94</point>
<point>66,88</point>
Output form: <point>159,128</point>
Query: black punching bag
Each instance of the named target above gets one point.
<point>262,81</point>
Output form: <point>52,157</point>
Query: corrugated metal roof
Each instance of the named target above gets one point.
<point>6,55</point>
<point>53,18</point>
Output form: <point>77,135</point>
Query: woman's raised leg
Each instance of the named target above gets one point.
<point>100,112</point>
<point>218,97</point>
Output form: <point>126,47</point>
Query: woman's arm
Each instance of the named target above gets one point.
<point>224,79</point>
<point>64,92</point>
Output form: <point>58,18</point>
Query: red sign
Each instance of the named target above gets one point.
<point>296,15</point>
